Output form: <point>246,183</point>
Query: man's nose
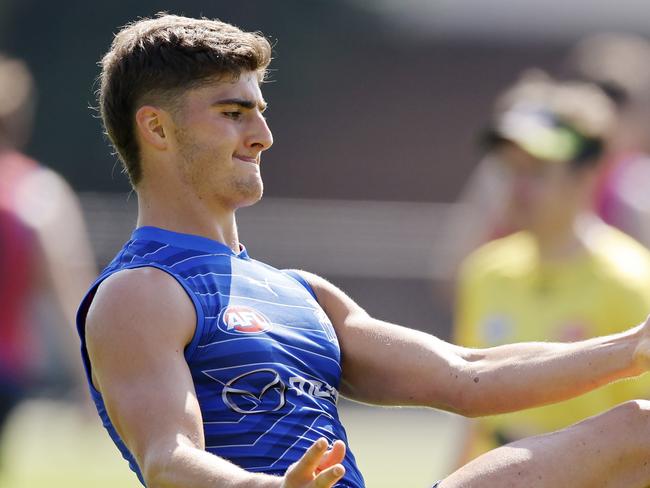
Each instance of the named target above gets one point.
<point>261,136</point>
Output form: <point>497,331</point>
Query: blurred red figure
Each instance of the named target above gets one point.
<point>43,245</point>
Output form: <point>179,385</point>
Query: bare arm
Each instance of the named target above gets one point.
<point>135,342</point>
<point>387,364</point>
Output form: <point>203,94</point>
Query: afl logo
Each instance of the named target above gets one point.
<point>239,319</point>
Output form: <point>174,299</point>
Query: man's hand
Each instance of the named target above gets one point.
<point>318,467</point>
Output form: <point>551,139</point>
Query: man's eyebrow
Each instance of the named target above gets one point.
<point>242,102</point>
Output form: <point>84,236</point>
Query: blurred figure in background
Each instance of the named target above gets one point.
<point>566,275</point>
<point>45,256</point>
<point>618,64</point>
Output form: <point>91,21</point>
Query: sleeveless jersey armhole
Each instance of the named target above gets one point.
<point>300,279</point>
<point>88,298</point>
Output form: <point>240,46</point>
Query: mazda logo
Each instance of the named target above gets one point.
<point>257,391</point>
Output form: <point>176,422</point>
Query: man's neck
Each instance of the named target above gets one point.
<point>188,217</point>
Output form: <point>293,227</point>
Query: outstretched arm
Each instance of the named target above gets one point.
<point>135,340</point>
<point>387,364</point>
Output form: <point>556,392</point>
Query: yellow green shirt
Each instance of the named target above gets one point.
<point>507,295</point>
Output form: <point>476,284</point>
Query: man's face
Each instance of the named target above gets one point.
<point>542,194</point>
<point>219,136</point>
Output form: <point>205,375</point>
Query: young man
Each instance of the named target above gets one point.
<point>209,368</point>
<point>566,275</point>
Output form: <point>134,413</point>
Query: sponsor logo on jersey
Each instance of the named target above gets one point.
<point>313,388</point>
<point>257,391</point>
<point>262,284</point>
<point>240,319</point>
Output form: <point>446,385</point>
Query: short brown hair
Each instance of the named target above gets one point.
<point>154,60</point>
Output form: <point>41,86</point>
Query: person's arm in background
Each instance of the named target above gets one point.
<point>66,264</point>
<point>478,215</point>
<point>137,328</point>
<point>49,206</point>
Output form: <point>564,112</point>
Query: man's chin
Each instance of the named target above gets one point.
<point>251,197</point>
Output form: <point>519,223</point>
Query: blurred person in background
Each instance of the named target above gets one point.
<point>618,64</point>
<point>45,257</point>
<point>566,275</point>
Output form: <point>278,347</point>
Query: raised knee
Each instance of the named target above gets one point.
<point>629,422</point>
<point>633,410</point>
<point>636,405</point>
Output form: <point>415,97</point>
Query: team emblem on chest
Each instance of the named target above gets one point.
<point>240,319</point>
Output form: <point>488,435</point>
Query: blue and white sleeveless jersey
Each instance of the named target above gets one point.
<point>265,359</point>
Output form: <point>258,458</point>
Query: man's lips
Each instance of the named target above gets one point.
<point>246,159</point>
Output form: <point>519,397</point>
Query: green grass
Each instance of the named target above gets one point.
<point>53,445</point>
<point>401,447</point>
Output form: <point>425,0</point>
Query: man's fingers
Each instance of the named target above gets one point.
<point>306,466</point>
<point>329,476</point>
<point>334,456</point>
<point>318,467</point>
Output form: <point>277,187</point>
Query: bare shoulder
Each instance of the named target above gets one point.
<point>141,302</point>
<point>313,279</point>
<point>322,288</point>
<point>137,328</point>
<point>336,303</point>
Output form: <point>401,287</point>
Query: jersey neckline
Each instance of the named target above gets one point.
<point>188,241</point>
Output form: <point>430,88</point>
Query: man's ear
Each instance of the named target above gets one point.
<point>152,126</point>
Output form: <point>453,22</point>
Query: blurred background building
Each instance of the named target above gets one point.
<point>375,106</point>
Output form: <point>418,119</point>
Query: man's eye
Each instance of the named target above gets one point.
<point>232,115</point>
